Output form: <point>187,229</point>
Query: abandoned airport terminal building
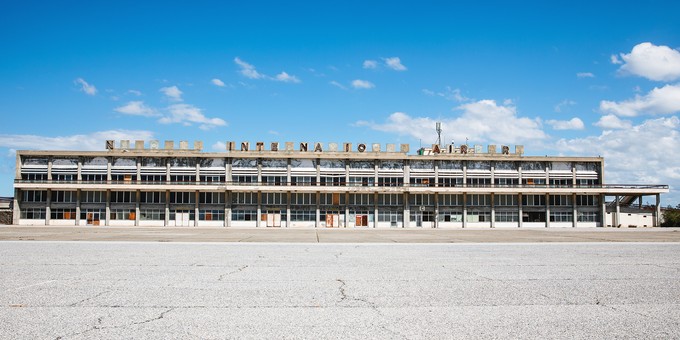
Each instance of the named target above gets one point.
<point>320,186</point>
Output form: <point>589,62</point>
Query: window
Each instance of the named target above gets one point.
<point>94,177</point>
<point>361,199</point>
<point>244,198</point>
<point>303,215</point>
<point>212,178</point>
<point>211,198</point>
<point>275,198</point>
<point>422,182</point>
<point>450,216</point>
<point>560,200</point>
<point>507,182</point>
<point>274,180</point>
<point>560,182</point>
<point>332,199</point>
<point>182,197</point>
<point>64,177</point>
<point>561,216</point>
<point>34,177</point>
<point>211,215</point>
<point>362,181</point>
<point>533,200</point>
<point>588,183</point>
<point>391,199</point>
<point>478,216</point>
<point>478,200</point>
<point>421,199</point>
<point>63,196</point>
<point>507,216</point>
<point>152,197</point>
<point>588,216</point>
<point>450,200</point>
<point>534,181</point>
<point>303,180</point>
<point>93,196</point>
<point>505,200</point>
<point>152,214</point>
<point>334,181</point>
<point>191,213</point>
<point>244,215</point>
<point>390,181</point>
<point>34,196</point>
<point>450,182</point>
<point>182,178</point>
<point>125,178</point>
<point>123,197</point>
<point>63,214</point>
<point>122,214</point>
<point>426,216</point>
<point>390,216</point>
<point>33,213</point>
<point>154,178</point>
<point>587,200</point>
<point>303,198</point>
<point>478,182</point>
<point>91,214</point>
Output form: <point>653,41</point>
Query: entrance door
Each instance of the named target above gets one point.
<point>361,220</point>
<point>332,220</point>
<point>419,219</point>
<point>273,219</point>
<point>182,218</point>
<point>93,218</point>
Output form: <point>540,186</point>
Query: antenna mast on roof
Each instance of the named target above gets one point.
<point>439,133</point>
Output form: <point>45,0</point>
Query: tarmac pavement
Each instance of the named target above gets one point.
<point>217,290</point>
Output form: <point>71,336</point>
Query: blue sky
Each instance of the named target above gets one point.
<point>561,78</point>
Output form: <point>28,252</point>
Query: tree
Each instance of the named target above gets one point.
<point>671,217</point>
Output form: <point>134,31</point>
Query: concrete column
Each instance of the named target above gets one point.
<point>108,176</point>
<point>464,184</point>
<point>167,170</point>
<point>288,194</point>
<point>318,172</point>
<point>436,174</point>
<point>259,203</point>
<point>259,179</point>
<point>493,178</point>
<point>167,207</point>
<point>519,206</point>
<point>108,201</point>
<point>78,192</point>
<point>519,180</point>
<point>346,172</point>
<point>375,210</point>
<point>227,171</point>
<point>139,169</point>
<point>547,209</point>
<point>603,211</point>
<point>49,169</point>
<point>493,206</point>
<point>436,209</point>
<point>573,176</point>
<point>617,215</point>
<point>198,173</point>
<point>657,211</point>
<point>196,211</point>
<point>79,174</point>
<point>317,224</point>
<point>16,208</point>
<point>48,206</point>
<point>407,211</point>
<point>138,196</point>
<point>375,172</point>
<point>227,208</point>
<point>575,210</point>
<point>346,209</point>
<point>464,205</point>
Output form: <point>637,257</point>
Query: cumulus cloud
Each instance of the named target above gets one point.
<point>219,146</point>
<point>287,78</point>
<point>609,122</point>
<point>615,59</point>
<point>173,93</point>
<point>248,70</point>
<point>362,84</point>
<point>188,114</point>
<point>572,124</point>
<point>585,75</point>
<point>85,87</point>
<point>481,121</point>
<point>660,63</point>
<point>89,142</point>
<point>217,82</point>
<point>395,64</point>
<point>370,64</point>
<point>136,108</point>
<point>665,100</point>
<point>448,93</point>
<point>565,103</point>
<point>647,153</point>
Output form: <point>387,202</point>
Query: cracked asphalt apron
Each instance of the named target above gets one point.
<point>151,290</point>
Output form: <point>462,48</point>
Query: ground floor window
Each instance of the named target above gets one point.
<point>588,216</point>
<point>244,215</point>
<point>424,216</point>
<point>211,215</point>
<point>303,215</point>
<point>390,216</point>
<point>122,214</point>
<point>33,213</point>
<point>450,216</point>
<point>533,216</point>
<point>182,215</point>
<point>63,214</point>
<point>507,216</point>
<point>478,216</point>
<point>152,214</point>
<point>561,216</point>
<point>92,216</point>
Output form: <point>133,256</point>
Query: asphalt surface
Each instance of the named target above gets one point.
<point>152,290</point>
<point>323,235</point>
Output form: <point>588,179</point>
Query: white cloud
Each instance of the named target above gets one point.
<point>219,146</point>
<point>585,75</point>
<point>336,84</point>
<point>187,114</point>
<point>660,63</point>
<point>572,124</point>
<point>135,92</point>
<point>647,153</point>
<point>217,82</point>
<point>615,59</point>
<point>173,93</point>
<point>88,142</point>
<point>609,122</point>
<point>563,104</point>
<point>287,78</point>
<point>85,87</point>
<point>137,108</point>
<point>248,70</point>
<point>448,93</point>
<point>362,84</point>
<point>481,121</point>
<point>665,100</point>
<point>395,64</point>
<point>370,64</point>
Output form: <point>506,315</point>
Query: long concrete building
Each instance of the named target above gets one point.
<point>318,186</point>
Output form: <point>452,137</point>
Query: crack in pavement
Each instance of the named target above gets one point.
<point>240,269</point>
<point>89,298</point>
<point>98,325</point>
<point>372,305</point>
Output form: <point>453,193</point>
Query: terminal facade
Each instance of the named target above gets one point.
<point>317,186</point>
